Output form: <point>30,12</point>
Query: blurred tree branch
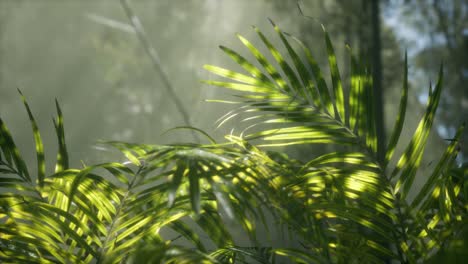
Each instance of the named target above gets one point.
<point>153,55</point>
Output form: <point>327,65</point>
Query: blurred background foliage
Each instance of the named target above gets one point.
<point>104,80</point>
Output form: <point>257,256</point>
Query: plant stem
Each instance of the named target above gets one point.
<point>153,55</point>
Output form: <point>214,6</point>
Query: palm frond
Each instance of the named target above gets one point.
<point>347,194</point>
<point>308,114</point>
<point>101,212</point>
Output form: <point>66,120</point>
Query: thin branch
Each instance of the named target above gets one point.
<point>143,37</point>
<point>110,23</point>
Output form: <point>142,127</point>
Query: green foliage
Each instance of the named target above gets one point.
<point>340,207</point>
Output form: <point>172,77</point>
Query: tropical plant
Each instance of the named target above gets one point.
<point>345,206</point>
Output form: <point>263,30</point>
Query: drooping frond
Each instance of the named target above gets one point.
<point>103,212</point>
<point>344,203</point>
<point>297,110</point>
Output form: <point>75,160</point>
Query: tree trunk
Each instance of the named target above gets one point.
<point>377,78</point>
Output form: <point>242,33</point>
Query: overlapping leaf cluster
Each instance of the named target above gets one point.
<point>341,207</point>
<point>346,205</point>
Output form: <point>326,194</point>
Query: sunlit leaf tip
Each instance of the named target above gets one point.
<point>41,166</point>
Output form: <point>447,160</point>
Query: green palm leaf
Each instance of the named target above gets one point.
<point>39,146</point>
<point>62,154</point>
<point>400,117</point>
<point>339,206</point>
<point>410,160</point>
<point>347,188</point>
